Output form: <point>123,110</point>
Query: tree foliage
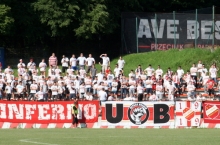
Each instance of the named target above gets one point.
<point>6,20</point>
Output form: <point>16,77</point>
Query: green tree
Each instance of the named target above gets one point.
<point>6,20</point>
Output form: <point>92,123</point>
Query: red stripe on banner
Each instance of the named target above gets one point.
<point>188,104</point>
<point>211,125</point>
<point>90,125</point>
<point>151,113</point>
<point>1,124</point>
<point>144,46</point>
<point>134,126</point>
<point>104,127</point>
<point>149,126</point>
<point>165,127</point>
<point>179,113</point>
<point>29,125</point>
<point>44,126</point>
<point>197,113</point>
<point>119,127</point>
<point>59,125</point>
<point>14,125</point>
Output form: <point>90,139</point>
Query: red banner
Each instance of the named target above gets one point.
<point>211,112</point>
<point>47,112</point>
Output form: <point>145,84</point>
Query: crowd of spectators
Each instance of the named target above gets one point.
<point>79,78</point>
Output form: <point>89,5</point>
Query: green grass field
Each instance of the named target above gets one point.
<point>110,136</point>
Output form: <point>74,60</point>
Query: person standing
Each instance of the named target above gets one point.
<point>102,95</point>
<point>43,66</point>
<point>52,60</point>
<point>82,60</point>
<point>89,62</point>
<point>73,63</point>
<point>75,113</point>
<point>40,95</point>
<point>105,62</point>
<point>31,66</point>
<point>121,63</point>
<point>93,72</point>
<point>64,62</point>
<point>33,90</point>
<point>21,64</point>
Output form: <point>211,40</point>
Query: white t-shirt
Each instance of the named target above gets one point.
<point>149,71</point>
<point>180,72</point>
<point>73,61</point>
<point>81,60</point>
<point>8,89</point>
<point>65,61</point>
<point>159,72</point>
<point>33,88</point>
<point>31,65</point>
<point>54,90</point>
<point>102,95</point>
<point>19,88</point>
<point>213,72</point>
<point>121,63</point>
<point>90,61</point>
<point>105,60</point>
<point>42,66</point>
<point>40,95</point>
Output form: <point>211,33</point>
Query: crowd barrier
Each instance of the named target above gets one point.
<point>111,114</point>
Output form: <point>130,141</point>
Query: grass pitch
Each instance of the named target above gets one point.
<point>110,136</point>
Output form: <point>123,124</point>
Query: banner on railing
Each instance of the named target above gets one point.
<point>188,113</point>
<point>211,112</point>
<point>137,114</point>
<point>47,112</point>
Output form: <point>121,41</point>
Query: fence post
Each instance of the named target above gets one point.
<point>136,34</point>
<point>174,29</point>
<point>213,27</point>
<point>196,30</point>
<point>156,28</point>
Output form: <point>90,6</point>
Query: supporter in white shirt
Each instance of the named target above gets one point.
<point>54,89</point>
<point>100,77</point>
<point>213,73</point>
<point>153,97</point>
<point>132,86</point>
<point>8,70</point>
<point>89,62</point>
<point>158,72</point>
<point>73,63</point>
<point>21,64</point>
<point>131,74</point>
<point>31,65</point>
<point>89,96</point>
<point>40,95</point>
<point>81,60</point>
<point>43,66</point>
<point>105,62</point>
<point>191,91</point>
<point>180,73</point>
<point>117,71</point>
<point>121,63</point>
<point>20,90</point>
<point>159,91</point>
<point>149,70</point>
<point>64,62</point>
<point>8,90</point>
<point>102,95</point>
<point>110,78</point>
<point>33,88</point>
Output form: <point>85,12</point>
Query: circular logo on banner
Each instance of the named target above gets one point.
<point>138,113</point>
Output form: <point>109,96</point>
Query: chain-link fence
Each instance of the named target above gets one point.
<point>142,32</point>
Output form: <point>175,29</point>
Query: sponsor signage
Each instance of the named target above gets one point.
<point>141,29</point>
